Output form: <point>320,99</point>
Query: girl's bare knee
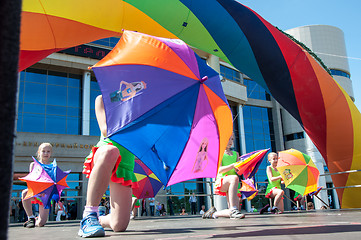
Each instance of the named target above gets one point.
<point>106,154</point>
<point>234,179</point>
<point>119,226</point>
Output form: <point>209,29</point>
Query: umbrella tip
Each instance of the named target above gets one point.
<point>204,79</point>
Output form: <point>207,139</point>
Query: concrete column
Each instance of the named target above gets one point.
<point>242,135</point>
<point>213,62</point>
<point>86,104</point>
<point>319,162</point>
<point>242,143</point>
<point>277,124</point>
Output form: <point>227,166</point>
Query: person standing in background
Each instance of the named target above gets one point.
<point>151,206</point>
<point>193,202</point>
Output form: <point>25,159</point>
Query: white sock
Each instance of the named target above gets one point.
<point>89,210</point>
<point>32,216</point>
<point>233,208</point>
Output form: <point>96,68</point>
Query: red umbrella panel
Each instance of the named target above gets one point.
<point>149,184</point>
<point>45,181</point>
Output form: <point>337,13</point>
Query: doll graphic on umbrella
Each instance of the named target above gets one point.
<point>130,91</point>
<point>201,158</point>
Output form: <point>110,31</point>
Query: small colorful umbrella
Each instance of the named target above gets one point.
<point>45,181</point>
<point>149,184</point>
<point>165,105</point>
<point>248,190</point>
<point>298,171</point>
<point>249,163</point>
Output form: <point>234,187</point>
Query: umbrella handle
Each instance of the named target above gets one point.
<point>290,199</point>
<point>322,201</point>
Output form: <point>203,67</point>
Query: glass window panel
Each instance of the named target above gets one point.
<point>34,108</point>
<point>33,122</point>
<point>73,126</point>
<point>94,84</point>
<point>190,186</point>
<point>55,124</point>
<point>256,113</point>
<point>72,193</point>
<point>177,188</point>
<point>73,97</point>
<point>264,114</point>
<point>73,177</point>
<point>257,126</point>
<point>258,136</point>
<point>35,75</point>
<point>267,144</point>
<point>247,126</point>
<point>22,76</point>
<point>266,127</point>
<point>262,95</point>
<point>20,108</point>
<point>259,144</point>
<point>19,123</point>
<point>56,95</point>
<point>21,92</point>
<point>55,110</point>
<point>247,112</point>
<point>57,78</point>
<point>34,93</point>
<point>94,128</point>
<point>249,145</point>
<point>74,80</point>
<point>267,137</point>
<point>74,112</point>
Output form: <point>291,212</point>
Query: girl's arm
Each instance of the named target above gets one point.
<point>31,166</point>
<point>270,175</point>
<point>100,114</point>
<point>223,169</point>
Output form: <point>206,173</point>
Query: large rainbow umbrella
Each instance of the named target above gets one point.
<point>231,31</point>
<point>149,183</point>
<point>165,105</point>
<point>298,171</point>
<point>45,181</point>
<point>248,163</point>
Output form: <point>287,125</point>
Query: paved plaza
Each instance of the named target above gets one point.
<point>326,224</point>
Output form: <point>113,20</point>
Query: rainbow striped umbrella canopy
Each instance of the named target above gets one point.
<point>237,35</point>
<point>298,171</point>
<point>165,105</point>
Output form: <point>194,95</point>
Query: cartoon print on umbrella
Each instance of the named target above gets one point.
<point>131,90</point>
<point>46,181</point>
<point>201,160</point>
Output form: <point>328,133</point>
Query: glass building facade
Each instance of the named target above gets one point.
<point>49,102</point>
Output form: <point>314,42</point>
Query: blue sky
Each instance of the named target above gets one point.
<point>346,15</point>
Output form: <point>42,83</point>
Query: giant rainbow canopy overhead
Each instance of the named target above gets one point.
<point>231,31</point>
